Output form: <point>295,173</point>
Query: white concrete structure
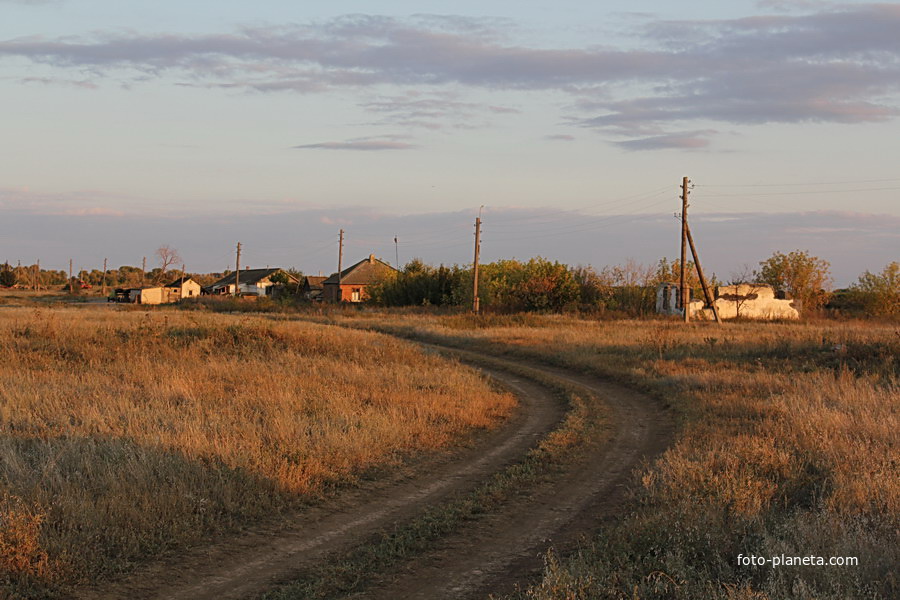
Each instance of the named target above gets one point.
<point>746,300</point>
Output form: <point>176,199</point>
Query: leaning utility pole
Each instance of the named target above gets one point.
<point>476,302</point>
<point>706,293</point>
<point>340,290</point>
<point>237,269</point>
<point>104,276</point>
<point>682,284</point>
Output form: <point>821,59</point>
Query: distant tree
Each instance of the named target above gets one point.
<point>536,285</point>
<point>7,275</point>
<point>167,256</point>
<point>806,278</point>
<point>744,277</point>
<point>880,293</point>
<point>127,275</point>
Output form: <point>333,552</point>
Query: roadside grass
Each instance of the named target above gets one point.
<point>125,435</point>
<point>788,444</point>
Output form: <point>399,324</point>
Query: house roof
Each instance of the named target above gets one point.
<point>179,282</point>
<point>367,271</point>
<point>314,282</point>
<point>249,276</point>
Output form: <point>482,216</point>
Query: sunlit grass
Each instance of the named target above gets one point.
<point>788,443</point>
<point>126,433</point>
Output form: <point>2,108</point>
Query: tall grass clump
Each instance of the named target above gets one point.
<point>788,445</point>
<point>125,434</point>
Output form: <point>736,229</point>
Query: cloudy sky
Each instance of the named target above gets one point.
<point>199,124</point>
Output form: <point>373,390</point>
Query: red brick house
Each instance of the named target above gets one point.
<point>355,279</point>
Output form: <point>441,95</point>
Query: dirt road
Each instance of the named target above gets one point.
<point>490,556</point>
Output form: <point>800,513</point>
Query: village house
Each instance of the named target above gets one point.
<point>251,282</point>
<point>353,281</point>
<point>745,300</point>
<point>185,287</point>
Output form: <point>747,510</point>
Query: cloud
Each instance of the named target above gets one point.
<point>362,144</point>
<point>93,211</point>
<point>836,64</point>
<point>81,83</point>
<point>688,140</point>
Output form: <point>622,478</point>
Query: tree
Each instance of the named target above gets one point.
<point>806,278</point>
<point>745,277</point>
<point>880,293</point>
<point>167,256</point>
<point>7,275</point>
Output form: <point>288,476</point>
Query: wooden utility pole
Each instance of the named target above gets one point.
<point>104,276</point>
<point>396,252</point>
<point>143,270</point>
<point>237,269</point>
<point>476,301</point>
<point>709,298</point>
<point>39,279</point>
<point>682,283</point>
<point>71,279</point>
<point>340,290</point>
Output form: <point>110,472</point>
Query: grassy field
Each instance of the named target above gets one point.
<point>127,434</point>
<point>788,445</point>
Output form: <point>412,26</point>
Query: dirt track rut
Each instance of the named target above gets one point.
<point>490,557</point>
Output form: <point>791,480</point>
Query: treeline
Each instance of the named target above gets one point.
<point>28,276</point>
<point>543,285</point>
<point>534,285</point>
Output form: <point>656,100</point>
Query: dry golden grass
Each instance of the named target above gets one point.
<point>126,433</point>
<point>788,444</point>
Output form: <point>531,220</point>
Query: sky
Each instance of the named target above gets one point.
<point>201,124</point>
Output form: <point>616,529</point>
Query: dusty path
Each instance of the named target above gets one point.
<point>491,557</point>
<point>505,550</point>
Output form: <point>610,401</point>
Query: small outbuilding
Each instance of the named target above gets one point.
<point>312,287</point>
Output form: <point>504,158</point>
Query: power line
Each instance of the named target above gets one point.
<point>795,184</point>
<point>803,193</point>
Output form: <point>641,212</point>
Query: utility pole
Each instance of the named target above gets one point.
<point>396,252</point>
<point>143,270</point>
<point>237,269</point>
<point>682,284</point>
<point>476,302</point>
<point>104,276</point>
<point>71,279</point>
<point>340,291</point>
<point>706,293</point>
<point>40,283</point>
